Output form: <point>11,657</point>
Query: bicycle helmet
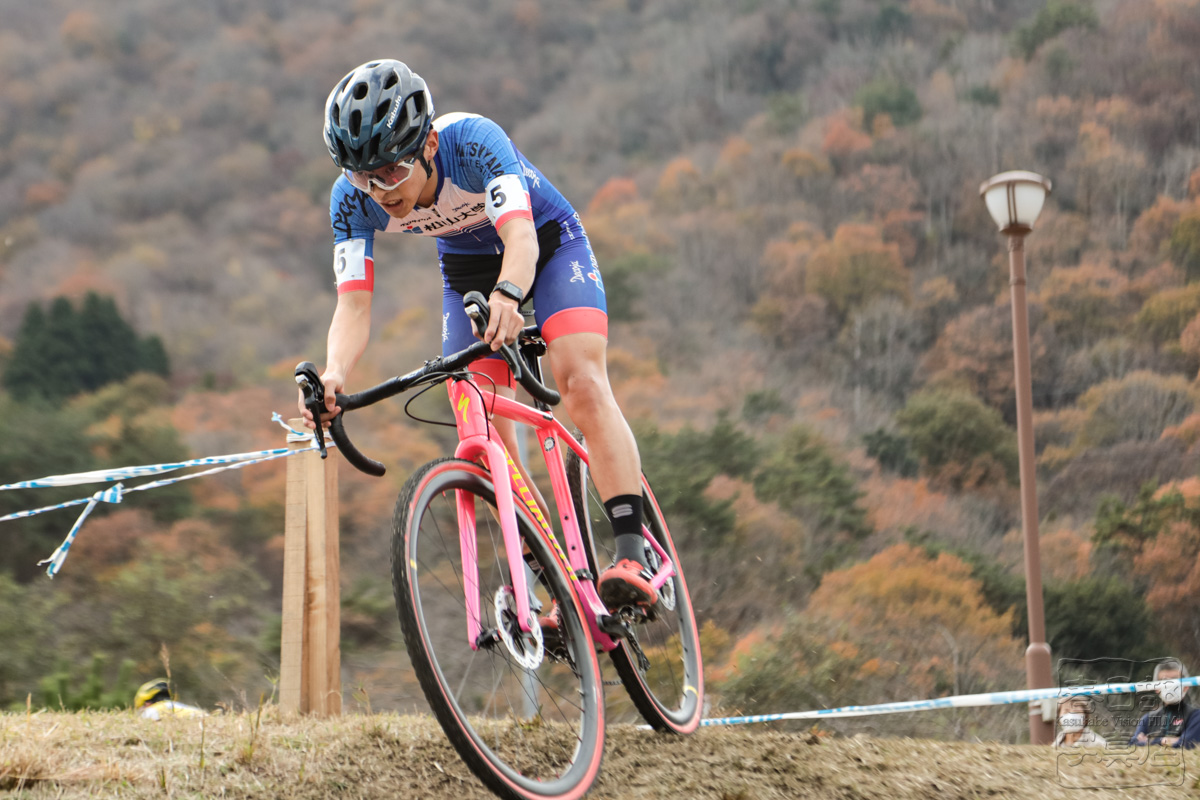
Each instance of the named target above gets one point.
<point>151,692</point>
<point>377,115</point>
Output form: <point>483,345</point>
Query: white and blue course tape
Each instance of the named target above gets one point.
<point>116,494</point>
<point>959,701</point>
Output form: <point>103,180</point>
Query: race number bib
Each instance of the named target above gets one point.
<point>505,198</point>
<point>352,270</point>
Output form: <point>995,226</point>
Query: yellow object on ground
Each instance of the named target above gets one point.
<point>170,708</point>
<point>153,701</point>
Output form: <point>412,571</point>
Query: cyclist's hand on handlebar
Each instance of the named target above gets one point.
<point>333,383</point>
<point>505,323</point>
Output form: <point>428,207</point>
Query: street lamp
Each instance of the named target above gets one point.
<point>1014,199</point>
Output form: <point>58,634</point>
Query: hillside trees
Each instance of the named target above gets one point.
<point>1155,541</point>
<point>1137,407</point>
<point>849,271</point>
<point>67,351</point>
<point>38,441</point>
<point>961,443</point>
<point>1056,17</point>
<point>806,478</point>
<point>901,619</point>
<point>786,208</point>
<point>926,615</point>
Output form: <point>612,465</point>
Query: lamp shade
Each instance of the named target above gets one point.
<point>1014,199</point>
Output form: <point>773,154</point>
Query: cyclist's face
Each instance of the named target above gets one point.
<point>400,200</point>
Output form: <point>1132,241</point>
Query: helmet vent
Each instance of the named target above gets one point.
<point>355,122</point>
<point>382,109</point>
<point>391,81</point>
<point>360,90</point>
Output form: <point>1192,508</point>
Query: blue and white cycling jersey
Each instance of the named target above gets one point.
<point>482,182</point>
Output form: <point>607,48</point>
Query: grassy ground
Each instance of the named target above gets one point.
<point>260,755</point>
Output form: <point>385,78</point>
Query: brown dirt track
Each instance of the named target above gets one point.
<point>388,756</point>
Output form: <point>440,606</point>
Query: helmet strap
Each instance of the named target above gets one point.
<point>428,167</point>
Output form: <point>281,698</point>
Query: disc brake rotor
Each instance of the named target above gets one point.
<point>526,648</point>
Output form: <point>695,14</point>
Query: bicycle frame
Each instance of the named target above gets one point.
<point>478,440</point>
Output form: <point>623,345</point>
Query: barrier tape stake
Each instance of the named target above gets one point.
<point>310,644</point>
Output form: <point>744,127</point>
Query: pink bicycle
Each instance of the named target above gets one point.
<point>475,563</point>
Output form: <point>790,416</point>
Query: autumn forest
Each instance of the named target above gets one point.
<point>811,326</point>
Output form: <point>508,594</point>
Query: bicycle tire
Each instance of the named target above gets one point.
<point>669,698</point>
<point>551,747</point>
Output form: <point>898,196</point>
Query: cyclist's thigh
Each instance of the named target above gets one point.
<point>568,295</point>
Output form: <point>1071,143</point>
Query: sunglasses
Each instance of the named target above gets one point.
<point>386,178</point>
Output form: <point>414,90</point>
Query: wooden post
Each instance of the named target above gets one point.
<point>310,655</point>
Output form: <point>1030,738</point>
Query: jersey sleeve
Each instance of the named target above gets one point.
<point>492,165</point>
<point>354,218</point>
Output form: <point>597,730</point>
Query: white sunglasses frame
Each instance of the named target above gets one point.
<point>411,163</point>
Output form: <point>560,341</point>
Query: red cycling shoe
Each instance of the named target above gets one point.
<point>626,583</point>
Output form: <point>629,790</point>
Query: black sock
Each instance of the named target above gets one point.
<point>625,513</point>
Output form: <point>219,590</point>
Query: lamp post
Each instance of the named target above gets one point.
<point>1014,199</point>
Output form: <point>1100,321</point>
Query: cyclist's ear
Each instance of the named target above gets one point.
<point>431,145</point>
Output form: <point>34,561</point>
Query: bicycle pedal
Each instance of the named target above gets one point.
<point>620,623</point>
<point>613,624</point>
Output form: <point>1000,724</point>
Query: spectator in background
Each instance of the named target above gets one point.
<point>1174,723</point>
<point>1074,724</point>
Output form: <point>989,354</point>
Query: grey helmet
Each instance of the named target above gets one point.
<point>377,115</point>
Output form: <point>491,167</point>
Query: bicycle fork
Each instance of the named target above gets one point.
<point>478,440</point>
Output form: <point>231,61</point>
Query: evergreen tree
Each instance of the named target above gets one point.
<point>21,371</point>
<point>805,476</point>
<point>110,345</point>
<point>153,357</point>
<point>65,352</point>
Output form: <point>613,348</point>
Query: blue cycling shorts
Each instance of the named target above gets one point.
<point>567,293</point>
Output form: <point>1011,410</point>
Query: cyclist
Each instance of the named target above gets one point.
<point>502,229</point>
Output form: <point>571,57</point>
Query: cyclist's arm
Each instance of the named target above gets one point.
<point>348,335</point>
<point>354,219</point>
<point>518,266</point>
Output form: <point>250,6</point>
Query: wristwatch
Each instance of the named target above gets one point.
<point>510,290</point>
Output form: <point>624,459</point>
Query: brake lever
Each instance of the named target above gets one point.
<point>314,398</point>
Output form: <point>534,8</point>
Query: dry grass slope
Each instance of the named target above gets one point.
<point>253,755</point>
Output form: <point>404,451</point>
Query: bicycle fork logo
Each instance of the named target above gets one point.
<point>527,497</point>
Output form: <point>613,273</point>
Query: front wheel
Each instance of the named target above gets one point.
<point>527,718</point>
<point>659,663</point>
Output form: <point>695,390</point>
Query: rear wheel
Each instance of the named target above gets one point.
<point>529,723</point>
<point>659,663</point>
